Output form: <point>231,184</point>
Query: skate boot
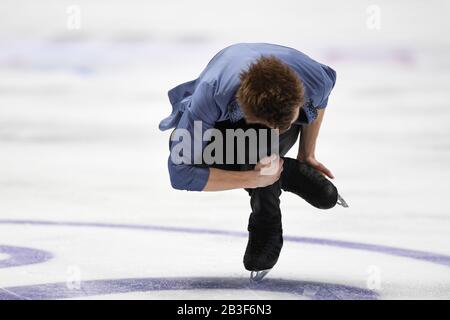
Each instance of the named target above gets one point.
<point>308,183</point>
<point>265,231</point>
<point>262,252</point>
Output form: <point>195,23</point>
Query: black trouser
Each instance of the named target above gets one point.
<point>265,202</point>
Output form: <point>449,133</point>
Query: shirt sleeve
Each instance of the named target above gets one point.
<point>329,82</point>
<point>308,113</point>
<point>188,172</point>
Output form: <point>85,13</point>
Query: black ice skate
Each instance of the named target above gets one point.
<point>262,252</point>
<point>308,183</point>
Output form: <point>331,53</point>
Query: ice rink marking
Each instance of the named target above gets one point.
<point>20,256</point>
<point>393,251</point>
<point>312,290</point>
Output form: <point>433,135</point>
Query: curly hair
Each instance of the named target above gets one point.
<point>270,92</point>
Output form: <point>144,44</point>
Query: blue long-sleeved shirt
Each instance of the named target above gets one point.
<point>211,98</point>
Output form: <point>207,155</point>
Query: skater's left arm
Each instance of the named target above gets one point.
<point>307,145</point>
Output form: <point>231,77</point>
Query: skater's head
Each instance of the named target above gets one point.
<point>270,93</point>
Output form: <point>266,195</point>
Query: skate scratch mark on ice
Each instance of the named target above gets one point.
<point>10,293</point>
<point>393,251</point>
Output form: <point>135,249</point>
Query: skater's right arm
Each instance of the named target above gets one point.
<point>186,175</point>
<point>266,172</point>
<point>220,180</point>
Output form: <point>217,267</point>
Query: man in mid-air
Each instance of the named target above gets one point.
<point>254,86</point>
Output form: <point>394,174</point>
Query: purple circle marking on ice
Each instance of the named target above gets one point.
<point>97,287</point>
<point>21,256</point>
<point>312,290</point>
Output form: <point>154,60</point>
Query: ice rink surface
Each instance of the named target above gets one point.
<point>86,207</point>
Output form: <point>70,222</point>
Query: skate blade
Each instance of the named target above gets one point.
<point>257,276</point>
<point>341,202</point>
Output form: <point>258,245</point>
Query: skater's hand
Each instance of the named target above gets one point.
<point>317,165</point>
<point>268,171</point>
